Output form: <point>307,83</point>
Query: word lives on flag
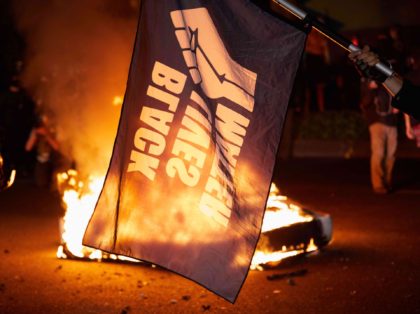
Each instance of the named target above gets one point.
<point>192,164</point>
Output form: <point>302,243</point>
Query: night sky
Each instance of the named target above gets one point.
<point>359,14</point>
<point>11,44</point>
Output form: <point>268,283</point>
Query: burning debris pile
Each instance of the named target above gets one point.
<point>288,230</point>
<point>79,201</point>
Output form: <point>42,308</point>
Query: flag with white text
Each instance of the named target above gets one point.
<point>190,173</point>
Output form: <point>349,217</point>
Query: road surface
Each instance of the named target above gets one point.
<point>372,265</point>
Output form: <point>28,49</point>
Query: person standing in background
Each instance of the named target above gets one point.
<point>382,120</point>
<point>412,129</point>
<point>316,60</point>
<point>42,138</point>
<point>412,125</point>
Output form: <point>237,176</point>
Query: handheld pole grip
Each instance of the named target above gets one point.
<point>385,69</point>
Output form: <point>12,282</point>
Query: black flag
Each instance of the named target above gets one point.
<point>190,173</point>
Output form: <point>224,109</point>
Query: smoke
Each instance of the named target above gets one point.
<point>77,58</point>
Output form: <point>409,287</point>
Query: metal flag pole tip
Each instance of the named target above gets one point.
<point>328,33</point>
<point>293,9</point>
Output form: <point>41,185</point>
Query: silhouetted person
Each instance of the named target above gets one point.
<point>317,57</point>
<point>43,139</point>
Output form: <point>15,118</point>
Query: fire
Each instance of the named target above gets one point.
<point>79,203</point>
<point>79,200</point>
<point>280,213</point>
<point>262,258</point>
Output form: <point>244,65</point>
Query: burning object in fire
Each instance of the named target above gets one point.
<point>79,200</point>
<point>288,230</point>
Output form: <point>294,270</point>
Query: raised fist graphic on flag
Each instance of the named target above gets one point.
<point>204,144</point>
<point>209,63</point>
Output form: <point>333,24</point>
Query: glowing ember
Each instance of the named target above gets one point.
<point>6,179</point>
<point>12,178</point>
<point>79,200</point>
<point>118,100</point>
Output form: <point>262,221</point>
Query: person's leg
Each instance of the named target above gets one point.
<point>320,96</point>
<point>42,174</point>
<point>377,141</point>
<point>391,148</point>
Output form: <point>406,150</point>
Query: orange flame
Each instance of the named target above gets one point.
<point>79,201</point>
<point>280,213</point>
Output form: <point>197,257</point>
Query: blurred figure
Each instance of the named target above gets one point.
<point>392,47</point>
<point>412,129</point>
<point>412,125</point>
<point>16,121</point>
<point>317,57</point>
<point>43,139</point>
<point>382,120</point>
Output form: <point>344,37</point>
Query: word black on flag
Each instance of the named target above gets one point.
<point>192,164</point>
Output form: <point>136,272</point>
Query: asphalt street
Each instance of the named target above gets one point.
<point>371,266</point>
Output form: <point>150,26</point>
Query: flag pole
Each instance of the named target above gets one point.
<point>328,32</point>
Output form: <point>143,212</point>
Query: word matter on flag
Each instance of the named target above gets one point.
<point>201,121</point>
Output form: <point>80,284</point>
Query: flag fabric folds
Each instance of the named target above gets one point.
<point>190,173</point>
